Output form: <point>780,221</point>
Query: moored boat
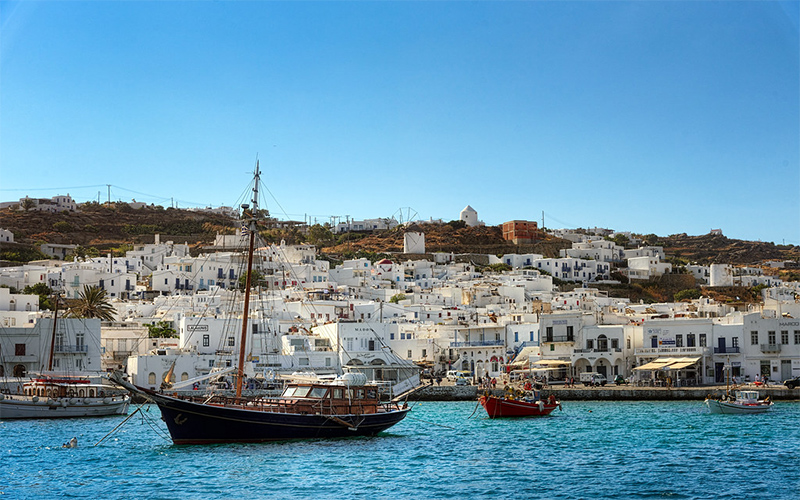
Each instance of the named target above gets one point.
<point>527,406</point>
<point>745,402</point>
<point>307,409</point>
<point>310,407</point>
<point>64,397</point>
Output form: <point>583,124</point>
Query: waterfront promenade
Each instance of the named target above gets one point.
<point>449,392</point>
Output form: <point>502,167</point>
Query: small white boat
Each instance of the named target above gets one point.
<point>49,397</point>
<point>745,402</point>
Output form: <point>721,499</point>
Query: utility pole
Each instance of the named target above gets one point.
<point>109,193</point>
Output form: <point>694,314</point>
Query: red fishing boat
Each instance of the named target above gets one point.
<point>529,405</point>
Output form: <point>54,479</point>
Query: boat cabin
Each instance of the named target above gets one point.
<point>329,398</point>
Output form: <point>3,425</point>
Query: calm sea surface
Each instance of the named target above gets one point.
<point>589,450</point>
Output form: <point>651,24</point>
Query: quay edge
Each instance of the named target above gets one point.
<point>614,393</point>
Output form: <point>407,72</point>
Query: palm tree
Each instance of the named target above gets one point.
<point>92,303</point>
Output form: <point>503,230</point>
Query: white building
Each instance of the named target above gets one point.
<point>470,216</point>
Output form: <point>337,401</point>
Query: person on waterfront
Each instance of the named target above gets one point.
<point>438,380</point>
<point>494,383</point>
<point>766,381</point>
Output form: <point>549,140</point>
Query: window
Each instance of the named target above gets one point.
<point>628,343</point>
<point>679,340</point>
<point>615,344</point>
<point>797,336</point>
<point>784,337</point>
<point>690,340</point>
<point>735,341</point>
<point>570,333</point>
<point>19,349</point>
<point>206,341</point>
<point>409,354</point>
<point>231,342</point>
<point>703,340</point>
<point>771,338</point>
<point>590,343</point>
<point>516,337</point>
<point>548,334</point>
<point>753,338</point>
<point>151,378</point>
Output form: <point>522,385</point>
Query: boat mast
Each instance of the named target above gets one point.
<point>53,336</point>
<point>251,223</point>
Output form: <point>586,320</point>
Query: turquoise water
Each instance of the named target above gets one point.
<point>590,450</point>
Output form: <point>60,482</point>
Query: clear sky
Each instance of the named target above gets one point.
<point>651,117</point>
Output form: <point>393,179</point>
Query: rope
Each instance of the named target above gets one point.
<point>473,411</point>
<point>119,425</point>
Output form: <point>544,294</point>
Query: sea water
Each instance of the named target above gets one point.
<point>447,450</point>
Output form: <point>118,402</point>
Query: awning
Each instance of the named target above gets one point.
<point>668,364</point>
<point>551,362</point>
<point>681,363</point>
<point>656,364</point>
<point>524,355</point>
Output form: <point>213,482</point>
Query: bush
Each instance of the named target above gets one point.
<point>688,294</point>
<point>63,227</point>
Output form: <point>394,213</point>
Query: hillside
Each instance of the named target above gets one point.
<point>113,226</point>
<point>104,226</point>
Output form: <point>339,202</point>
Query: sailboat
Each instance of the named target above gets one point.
<point>59,395</point>
<point>309,407</point>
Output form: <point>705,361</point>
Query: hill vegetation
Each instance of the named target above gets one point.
<point>100,228</point>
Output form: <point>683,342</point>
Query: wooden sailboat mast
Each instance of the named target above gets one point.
<point>251,223</point>
<point>53,336</point>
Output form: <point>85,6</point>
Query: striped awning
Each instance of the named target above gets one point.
<point>668,364</point>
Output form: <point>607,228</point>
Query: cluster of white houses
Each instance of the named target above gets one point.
<point>392,317</point>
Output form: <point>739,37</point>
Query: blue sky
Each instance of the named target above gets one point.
<point>652,117</point>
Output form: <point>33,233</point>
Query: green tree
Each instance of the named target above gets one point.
<point>27,203</point>
<point>43,291</point>
<point>499,268</point>
<point>161,330</point>
<point>93,303</point>
<point>63,227</point>
<point>320,235</point>
<point>397,298</point>
<point>688,294</point>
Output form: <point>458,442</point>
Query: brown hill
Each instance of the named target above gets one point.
<point>105,226</point>
<point>108,226</point>
<point>717,249</point>
<point>446,238</point>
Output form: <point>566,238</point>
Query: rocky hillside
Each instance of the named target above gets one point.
<point>105,226</point>
<point>113,226</point>
<point>717,249</point>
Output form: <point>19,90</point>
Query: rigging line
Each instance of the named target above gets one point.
<point>119,425</point>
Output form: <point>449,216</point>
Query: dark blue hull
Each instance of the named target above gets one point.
<point>195,423</point>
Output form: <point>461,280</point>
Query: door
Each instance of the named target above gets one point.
<point>721,344</point>
<point>719,373</point>
<point>786,369</point>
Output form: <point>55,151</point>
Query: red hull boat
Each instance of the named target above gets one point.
<point>531,407</point>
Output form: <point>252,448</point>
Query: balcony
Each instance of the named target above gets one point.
<point>559,338</point>
<point>479,343</point>
<point>770,348</point>
<point>70,348</point>
<point>727,350</point>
